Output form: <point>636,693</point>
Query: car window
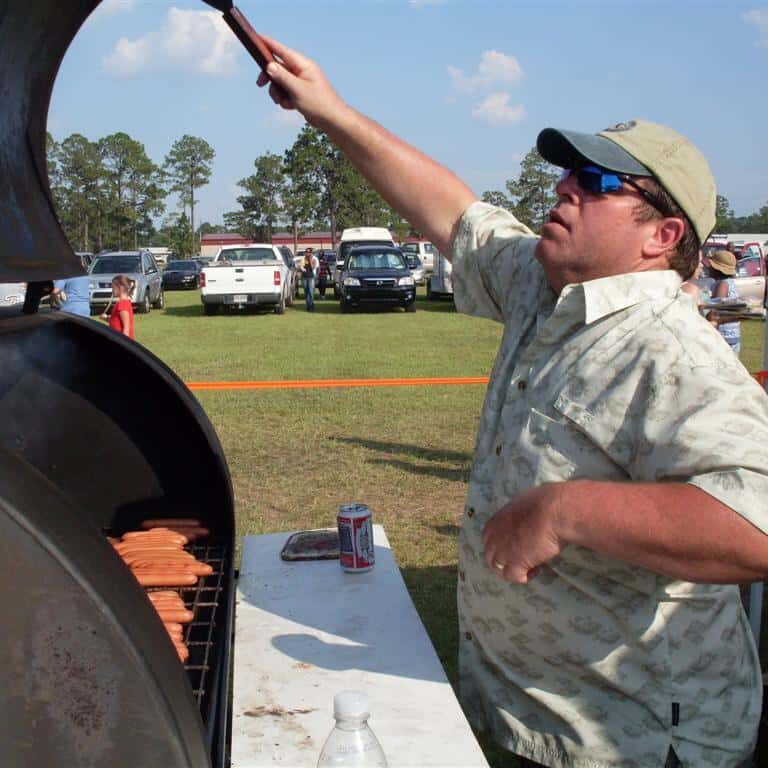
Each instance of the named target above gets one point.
<point>749,267</point>
<point>414,262</point>
<point>113,265</point>
<point>345,248</point>
<point>182,266</point>
<point>248,254</point>
<point>376,260</point>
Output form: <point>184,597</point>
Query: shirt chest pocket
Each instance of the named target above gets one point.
<point>557,450</point>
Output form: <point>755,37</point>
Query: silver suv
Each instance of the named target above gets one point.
<point>139,266</point>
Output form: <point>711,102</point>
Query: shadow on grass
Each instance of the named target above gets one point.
<point>448,530</point>
<point>427,454</point>
<point>458,474</point>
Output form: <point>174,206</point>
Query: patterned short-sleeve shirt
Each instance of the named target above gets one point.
<point>597,662</point>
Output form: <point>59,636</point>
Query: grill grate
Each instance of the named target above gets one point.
<point>206,601</point>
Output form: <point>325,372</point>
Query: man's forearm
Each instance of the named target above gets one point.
<point>671,528</point>
<point>431,197</point>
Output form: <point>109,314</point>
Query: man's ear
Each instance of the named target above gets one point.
<point>665,235</point>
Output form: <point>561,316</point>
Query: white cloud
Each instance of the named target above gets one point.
<point>494,69</point>
<point>198,41</point>
<point>113,7</point>
<point>758,17</point>
<point>286,118</point>
<point>496,110</point>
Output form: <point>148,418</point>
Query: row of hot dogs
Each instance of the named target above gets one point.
<point>157,558</point>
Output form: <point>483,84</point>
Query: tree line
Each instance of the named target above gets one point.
<point>110,194</point>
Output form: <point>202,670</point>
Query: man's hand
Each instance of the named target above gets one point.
<point>523,535</point>
<point>304,86</point>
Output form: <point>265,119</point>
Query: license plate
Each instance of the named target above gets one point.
<point>241,298</point>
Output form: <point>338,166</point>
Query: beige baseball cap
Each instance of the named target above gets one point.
<point>642,148</point>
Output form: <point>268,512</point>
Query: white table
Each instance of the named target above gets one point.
<point>305,631</point>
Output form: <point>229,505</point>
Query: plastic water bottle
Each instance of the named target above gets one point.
<point>351,742</point>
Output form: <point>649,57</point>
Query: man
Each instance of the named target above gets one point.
<point>616,484</point>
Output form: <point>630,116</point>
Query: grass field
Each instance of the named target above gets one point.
<point>295,455</point>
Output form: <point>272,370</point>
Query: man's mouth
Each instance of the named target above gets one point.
<point>556,218</point>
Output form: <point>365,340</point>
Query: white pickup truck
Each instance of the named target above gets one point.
<point>252,275</point>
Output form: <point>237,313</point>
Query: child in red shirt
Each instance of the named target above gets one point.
<point>121,316</point>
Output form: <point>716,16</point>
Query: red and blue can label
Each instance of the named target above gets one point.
<point>356,552</point>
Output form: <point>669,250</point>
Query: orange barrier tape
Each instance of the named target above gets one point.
<point>329,383</point>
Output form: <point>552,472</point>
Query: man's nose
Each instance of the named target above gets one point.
<point>568,188</point>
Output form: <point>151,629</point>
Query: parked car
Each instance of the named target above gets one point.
<point>181,274</point>
<point>139,266</point>
<point>375,274</point>
<point>253,275</point>
<point>416,267</point>
<point>12,294</point>
<point>750,281</point>
<point>86,257</point>
<point>426,252</point>
<point>287,255</point>
<point>353,237</point>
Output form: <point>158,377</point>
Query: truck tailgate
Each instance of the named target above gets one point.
<point>243,278</point>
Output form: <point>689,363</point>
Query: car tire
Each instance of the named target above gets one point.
<point>280,306</point>
<point>289,300</point>
<point>410,307</point>
<point>210,309</point>
<point>144,305</point>
<point>160,303</point>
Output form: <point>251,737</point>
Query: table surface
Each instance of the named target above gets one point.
<point>305,631</point>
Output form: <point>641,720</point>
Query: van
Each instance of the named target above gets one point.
<point>426,252</point>
<point>351,237</point>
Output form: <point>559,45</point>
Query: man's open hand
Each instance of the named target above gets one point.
<point>523,534</point>
<point>302,84</point>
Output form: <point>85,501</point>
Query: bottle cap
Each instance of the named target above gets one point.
<point>351,705</point>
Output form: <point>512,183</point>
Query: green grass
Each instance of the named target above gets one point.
<point>296,455</point>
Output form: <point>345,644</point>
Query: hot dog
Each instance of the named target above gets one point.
<point>196,567</point>
<point>181,650</point>
<point>175,616</point>
<point>160,577</point>
<point>164,557</point>
<point>169,536</point>
<point>171,522</point>
<point>193,533</point>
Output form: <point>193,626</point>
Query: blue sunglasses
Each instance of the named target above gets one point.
<point>598,181</point>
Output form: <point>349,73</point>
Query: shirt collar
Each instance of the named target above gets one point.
<point>607,295</point>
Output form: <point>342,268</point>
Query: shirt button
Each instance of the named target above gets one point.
<point>521,385</point>
<point>462,575</point>
<point>468,635</point>
<point>498,450</point>
<point>471,512</point>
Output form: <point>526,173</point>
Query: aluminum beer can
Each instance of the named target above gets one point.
<point>356,553</point>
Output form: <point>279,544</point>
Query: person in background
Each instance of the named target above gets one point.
<point>121,317</point>
<point>309,266</point>
<point>722,267</point>
<point>73,294</point>
<point>323,276</point>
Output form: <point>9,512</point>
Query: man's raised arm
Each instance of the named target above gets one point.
<point>427,194</point>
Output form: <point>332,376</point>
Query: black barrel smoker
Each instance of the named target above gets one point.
<point>96,434</point>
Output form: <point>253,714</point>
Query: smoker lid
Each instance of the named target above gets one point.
<point>34,36</point>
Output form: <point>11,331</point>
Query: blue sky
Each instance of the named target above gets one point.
<point>470,83</point>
